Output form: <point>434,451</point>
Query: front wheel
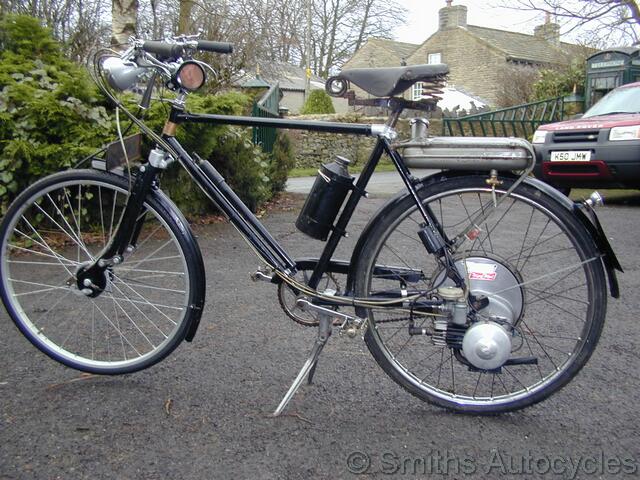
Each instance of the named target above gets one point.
<point>532,260</point>
<point>124,319</point>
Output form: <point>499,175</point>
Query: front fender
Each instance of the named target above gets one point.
<point>196,304</point>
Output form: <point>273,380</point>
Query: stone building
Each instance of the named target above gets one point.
<point>476,56</point>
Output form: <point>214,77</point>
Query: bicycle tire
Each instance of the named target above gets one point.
<point>568,247</point>
<point>134,323</point>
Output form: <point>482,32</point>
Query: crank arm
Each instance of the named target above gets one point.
<point>306,305</point>
<point>351,325</point>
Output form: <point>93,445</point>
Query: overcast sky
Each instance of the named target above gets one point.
<point>422,19</point>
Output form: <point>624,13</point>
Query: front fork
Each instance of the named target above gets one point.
<point>90,278</point>
<point>134,214</point>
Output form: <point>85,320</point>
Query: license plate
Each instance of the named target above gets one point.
<point>571,156</point>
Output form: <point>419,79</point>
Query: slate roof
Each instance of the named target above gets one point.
<point>290,77</point>
<point>380,52</point>
<point>520,46</point>
<point>400,49</point>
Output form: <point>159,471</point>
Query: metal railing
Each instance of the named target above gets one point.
<point>266,107</point>
<point>519,121</point>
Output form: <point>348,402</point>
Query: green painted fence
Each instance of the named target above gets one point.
<point>519,121</point>
<point>266,107</point>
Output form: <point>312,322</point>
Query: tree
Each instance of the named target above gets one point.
<point>340,27</point>
<point>184,17</point>
<point>608,21</point>
<point>556,82</point>
<point>262,31</point>
<point>274,30</point>
<point>516,85</point>
<point>80,25</point>
<point>124,18</point>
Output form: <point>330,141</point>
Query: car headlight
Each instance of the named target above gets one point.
<point>539,136</point>
<point>624,133</point>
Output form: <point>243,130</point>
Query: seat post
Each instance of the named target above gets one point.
<point>396,107</point>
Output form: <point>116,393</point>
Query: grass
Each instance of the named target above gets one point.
<point>611,196</point>
<point>311,172</point>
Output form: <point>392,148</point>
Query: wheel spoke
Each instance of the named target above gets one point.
<point>541,281</point>
<point>130,316</point>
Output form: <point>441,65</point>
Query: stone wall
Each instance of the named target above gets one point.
<point>312,149</point>
<point>474,65</point>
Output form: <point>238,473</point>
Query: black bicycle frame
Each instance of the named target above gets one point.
<point>215,187</point>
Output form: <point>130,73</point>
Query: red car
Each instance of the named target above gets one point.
<point>599,150</point>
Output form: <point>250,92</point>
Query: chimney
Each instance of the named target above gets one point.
<point>453,16</point>
<point>549,31</point>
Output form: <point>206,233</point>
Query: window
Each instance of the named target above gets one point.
<point>434,58</point>
<point>416,91</point>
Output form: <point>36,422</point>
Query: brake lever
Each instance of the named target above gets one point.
<point>153,62</point>
<point>187,38</point>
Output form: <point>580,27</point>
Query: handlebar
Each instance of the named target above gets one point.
<point>163,50</point>
<point>217,47</point>
<point>167,51</point>
<point>163,58</point>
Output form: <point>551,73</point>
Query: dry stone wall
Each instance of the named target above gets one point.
<point>312,149</point>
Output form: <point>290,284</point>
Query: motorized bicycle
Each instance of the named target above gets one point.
<point>478,288</point>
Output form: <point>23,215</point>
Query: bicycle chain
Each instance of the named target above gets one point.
<point>293,317</point>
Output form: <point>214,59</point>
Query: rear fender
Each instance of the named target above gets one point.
<point>589,220</point>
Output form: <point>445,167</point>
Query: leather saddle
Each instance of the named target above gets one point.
<point>390,81</point>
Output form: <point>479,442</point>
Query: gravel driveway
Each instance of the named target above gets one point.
<point>204,412</point>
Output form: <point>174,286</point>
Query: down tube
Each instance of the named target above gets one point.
<point>212,183</point>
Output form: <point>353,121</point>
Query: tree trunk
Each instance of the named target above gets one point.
<point>363,25</point>
<point>184,18</point>
<point>125,16</point>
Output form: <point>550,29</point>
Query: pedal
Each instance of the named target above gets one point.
<point>521,361</point>
<point>353,326</point>
<point>263,274</point>
<point>349,326</point>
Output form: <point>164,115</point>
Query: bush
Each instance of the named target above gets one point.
<point>50,115</point>
<point>318,102</point>
<point>556,82</point>
<point>282,160</point>
<point>230,150</point>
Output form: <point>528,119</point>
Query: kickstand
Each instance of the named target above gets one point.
<point>309,367</point>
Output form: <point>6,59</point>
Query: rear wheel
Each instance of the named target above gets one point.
<point>532,260</point>
<point>128,317</point>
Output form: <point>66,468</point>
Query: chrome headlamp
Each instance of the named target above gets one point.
<point>121,75</point>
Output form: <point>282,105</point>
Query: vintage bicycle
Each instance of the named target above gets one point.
<point>478,288</point>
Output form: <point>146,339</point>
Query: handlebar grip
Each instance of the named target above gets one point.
<point>163,50</point>
<point>218,47</point>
